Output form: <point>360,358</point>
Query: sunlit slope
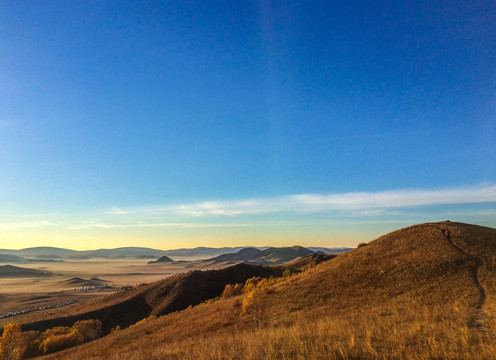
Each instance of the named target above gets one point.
<point>309,261</point>
<point>417,262</point>
<point>414,293</point>
<point>175,293</point>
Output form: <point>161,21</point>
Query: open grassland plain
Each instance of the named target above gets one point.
<point>73,280</point>
<point>415,293</point>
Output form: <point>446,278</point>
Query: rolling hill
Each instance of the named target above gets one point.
<point>45,251</point>
<point>204,252</point>
<point>336,250</point>
<point>161,260</point>
<point>78,282</point>
<point>123,252</point>
<point>414,293</point>
<point>270,256</point>
<point>10,271</point>
<point>11,259</point>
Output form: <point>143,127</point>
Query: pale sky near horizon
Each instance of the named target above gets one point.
<point>219,123</point>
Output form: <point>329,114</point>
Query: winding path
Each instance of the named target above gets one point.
<point>478,319</point>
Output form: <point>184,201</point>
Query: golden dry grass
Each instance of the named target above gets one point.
<point>393,330</point>
<point>410,294</point>
<point>358,335</point>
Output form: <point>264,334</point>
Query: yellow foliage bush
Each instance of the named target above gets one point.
<point>255,302</point>
<point>231,290</point>
<point>142,321</point>
<point>12,346</point>
<point>251,283</point>
<point>55,331</point>
<point>257,282</point>
<point>55,343</point>
<point>254,306</point>
<point>15,344</point>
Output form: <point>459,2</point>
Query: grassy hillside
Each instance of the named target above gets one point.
<point>411,294</point>
<point>171,294</point>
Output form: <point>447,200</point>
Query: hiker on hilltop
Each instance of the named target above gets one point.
<point>446,233</point>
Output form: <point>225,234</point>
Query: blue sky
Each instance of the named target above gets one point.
<point>178,124</point>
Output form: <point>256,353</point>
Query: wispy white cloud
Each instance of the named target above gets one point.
<point>25,225</point>
<point>99,225</point>
<point>365,202</point>
<point>385,206</point>
<point>395,198</point>
<point>118,211</point>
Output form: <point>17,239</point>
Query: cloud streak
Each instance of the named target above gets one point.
<point>25,225</point>
<point>110,226</point>
<point>393,205</point>
<point>316,203</point>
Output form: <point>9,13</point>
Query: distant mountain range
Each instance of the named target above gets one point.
<point>51,253</point>
<point>204,252</point>
<point>14,259</point>
<point>336,250</point>
<point>270,256</point>
<point>44,254</point>
<point>267,256</point>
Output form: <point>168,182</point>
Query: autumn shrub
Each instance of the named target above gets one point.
<point>251,284</point>
<point>254,306</point>
<point>32,341</point>
<point>90,329</point>
<point>12,344</point>
<point>142,321</point>
<point>255,302</point>
<point>54,343</point>
<point>15,344</point>
<point>55,331</point>
<point>231,290</point>
<point>287,273</point>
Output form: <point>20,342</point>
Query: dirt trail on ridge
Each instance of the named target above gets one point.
<point>477,320</point>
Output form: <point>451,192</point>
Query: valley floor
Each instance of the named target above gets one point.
<point>18,294</point>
